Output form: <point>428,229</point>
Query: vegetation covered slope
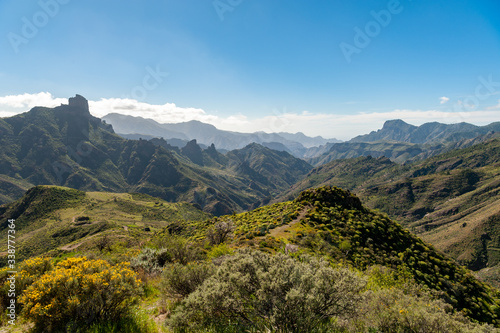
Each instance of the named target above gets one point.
<point>332,222</point>
<point>62,220</point>
<point>349,174</point>
<point>450,200</point>
<point>197,265</point>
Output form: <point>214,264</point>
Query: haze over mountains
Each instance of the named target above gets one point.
<point>397,140</point>
<point>208,134</point>
<point>398,130</point>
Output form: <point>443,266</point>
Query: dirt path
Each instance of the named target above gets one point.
<point>71,247</point>
<point>282,229</point>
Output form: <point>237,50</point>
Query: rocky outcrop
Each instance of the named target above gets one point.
<point>193,152</point>
<point>79,102</point>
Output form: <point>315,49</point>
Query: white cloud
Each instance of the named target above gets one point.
<point>345,127</point>
<point>443,100</point>
<point>341,126</point>
<point>31,100</point>
<point>165,113</point>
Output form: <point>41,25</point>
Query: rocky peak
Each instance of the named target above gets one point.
<point>193,152</point>
<point>396,123</point>
<point>79,102</point>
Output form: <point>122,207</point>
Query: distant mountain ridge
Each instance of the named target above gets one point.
<point>404,143</point>
<point>207,134</point>
<point>67,146</point>
<point>396,151</point>
<point>398,130</point>
<point>397,140</point>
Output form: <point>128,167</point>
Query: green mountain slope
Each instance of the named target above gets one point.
<point>58,219</point>
<point>326,221</point>
<point>332,222</point>
<point>344,173</point>
<point>270,168</point>
<point>449,200</point>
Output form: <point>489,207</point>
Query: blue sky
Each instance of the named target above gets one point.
<point>257,64</point>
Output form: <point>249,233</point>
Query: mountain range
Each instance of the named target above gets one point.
<point>396,140</point>
<point>398,130</point>
<point>208,134</point>
<point>67,146</point>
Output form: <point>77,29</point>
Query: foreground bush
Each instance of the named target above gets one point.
<point>151,261</point>
<point>257,291</point>
<point>179,280</point>
<point>394,311</point>
<point>79,292</point>
<point>165,250</point>
<point>28,272</point>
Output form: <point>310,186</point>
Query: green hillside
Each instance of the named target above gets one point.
<point>449,200</point>
<point>329,221</point>
<point>57,220</point>
<point>187,259</point>
<point>344,173</point>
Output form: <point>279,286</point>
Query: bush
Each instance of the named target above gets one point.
<point>151,260</point>
<point>219,251</point>
<point>181,280</point>
<point>258,291</point>
<point>220,232</point>
<point>393,311</point>
<point>180,249</point>
<point>79,292</point>
<point>171,249</point>
<point>30,270</point>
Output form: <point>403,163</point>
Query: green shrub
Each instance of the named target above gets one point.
<point>181,250</point>
<point>151,260</point>
<point>219,251</point>
<point>168,249</point>
<point>278,293</point>
<point>394,311</point>
<point>181,280</point>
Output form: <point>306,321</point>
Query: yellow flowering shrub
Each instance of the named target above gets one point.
<point>78,292</point>
<point>28,271</point>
